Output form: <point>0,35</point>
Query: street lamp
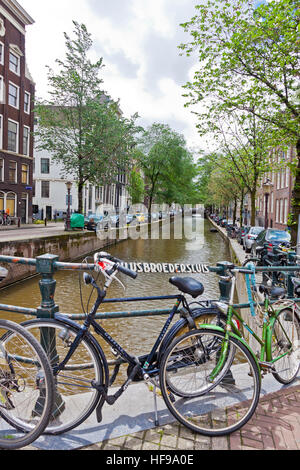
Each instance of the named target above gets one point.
<point>267,186</point>
<point>68,221</point>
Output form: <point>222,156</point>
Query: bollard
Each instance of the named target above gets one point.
<point>19,222</point>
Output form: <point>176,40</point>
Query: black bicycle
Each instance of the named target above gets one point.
<point>81,369</point>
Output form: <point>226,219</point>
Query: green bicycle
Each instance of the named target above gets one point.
<point>226,381</point>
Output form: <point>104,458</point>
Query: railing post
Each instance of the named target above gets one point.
<point>45,265</point>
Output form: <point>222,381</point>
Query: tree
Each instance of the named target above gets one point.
<point>166,164</point>
<point>80,125</point>
<point>136,186</point>
<point>249,60</point>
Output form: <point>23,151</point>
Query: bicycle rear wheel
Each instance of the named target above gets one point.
<point>210,408</point>
<point>75,397</point>
<point>26,387</point>
<point>285,340</point>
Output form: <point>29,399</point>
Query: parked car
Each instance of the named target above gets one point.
<point>93,218</point>
<point>269,238</point>
<point>250,237</point>
<point>241,233</point>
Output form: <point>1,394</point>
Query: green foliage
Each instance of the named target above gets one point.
<point>167,165</point>
<point>136,187</point>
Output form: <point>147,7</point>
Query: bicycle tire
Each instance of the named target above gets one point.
<point>76,398</point>
<point>202,315</point>
<point>287,323</point>
<point>214,413</point>
<point>26,387</point>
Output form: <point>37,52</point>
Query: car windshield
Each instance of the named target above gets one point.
<point>256,230</point>
<point>278,235</point>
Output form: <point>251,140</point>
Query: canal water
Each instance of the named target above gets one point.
<point>137,335</point>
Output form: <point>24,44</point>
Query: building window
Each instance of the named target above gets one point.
<point>13,95</point>
<point>285,211</point>
<point>25,174</point>
<point>277,210</point>
<point>27,102</point>
<point>1,169</point>
<point>26,140</point>
<point>2,96</point>
<point>281,211</point>
<point>45,166</point>
<point>46,189</point>
<point>12,143</point>
<point>1,53</point>
<point>12,172</point>
<point>1,131</point>
<point>11,204</point>
<point>14,63</point>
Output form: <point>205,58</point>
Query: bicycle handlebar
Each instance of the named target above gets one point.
<point>118,264</point>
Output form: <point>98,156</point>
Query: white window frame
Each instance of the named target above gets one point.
<point>19,62</point>
<point>26,93</point>
<point>18,95</point>
<point>2,94</point>
<point>26,151</point>
<point>17,140</point>
<point>3,48</point>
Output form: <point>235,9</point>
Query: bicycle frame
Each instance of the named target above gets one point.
<point>131,360</point>
<point>269,318</point>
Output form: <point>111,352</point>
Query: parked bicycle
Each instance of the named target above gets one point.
<point>182,362</point>
<point>5,219</point>
<point>26,386</point>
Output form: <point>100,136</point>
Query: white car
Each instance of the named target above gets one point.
<point>250,237</point>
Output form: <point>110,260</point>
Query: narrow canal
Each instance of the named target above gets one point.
<point>135,334</point>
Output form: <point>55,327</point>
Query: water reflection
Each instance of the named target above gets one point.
<point>136,334</point>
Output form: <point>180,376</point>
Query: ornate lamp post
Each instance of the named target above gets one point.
<point>267,186</point>
<point>68,221</point>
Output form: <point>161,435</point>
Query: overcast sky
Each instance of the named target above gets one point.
<point>138,40</point>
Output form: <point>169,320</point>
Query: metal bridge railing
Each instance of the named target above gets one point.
<point>47,265</point>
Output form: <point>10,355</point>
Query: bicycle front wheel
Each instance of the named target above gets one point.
<point>228,402</point>
<point>75,396</point>
<point>285,346</point>
<point>26,387</point>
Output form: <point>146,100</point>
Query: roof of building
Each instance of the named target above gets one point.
<point>19,11</point>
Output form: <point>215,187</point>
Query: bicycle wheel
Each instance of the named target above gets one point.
<point>75,397</point>
<point>26,387</point>
<point>285,338</point>
<point>228,403</point>
<point>203,315</point>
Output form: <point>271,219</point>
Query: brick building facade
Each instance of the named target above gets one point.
<point>16,113</point>
<point>279,201</point>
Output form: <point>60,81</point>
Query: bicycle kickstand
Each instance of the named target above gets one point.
<point>156,422</point>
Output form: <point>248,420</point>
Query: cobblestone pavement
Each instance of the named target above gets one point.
<point>274,426</point>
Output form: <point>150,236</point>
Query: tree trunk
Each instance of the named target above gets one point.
<point>253,207</point>
<point>80,197</point>
<point>234,211</point>
<point>241,207</point>
<point>295,202</point>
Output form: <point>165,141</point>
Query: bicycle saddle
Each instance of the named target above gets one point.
<point>274,292</point>
<point>188,285</point>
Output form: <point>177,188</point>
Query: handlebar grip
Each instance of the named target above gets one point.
<point>127,271</point>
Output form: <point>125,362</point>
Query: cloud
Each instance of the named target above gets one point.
<point>138,40</point>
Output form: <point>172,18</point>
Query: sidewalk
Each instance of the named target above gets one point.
<point>274,426</point>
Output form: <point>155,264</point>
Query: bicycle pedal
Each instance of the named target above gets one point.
<point>267,367</point>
